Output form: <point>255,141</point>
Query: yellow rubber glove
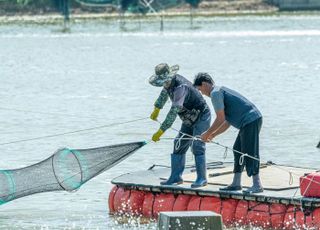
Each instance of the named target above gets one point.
<point>154,115</point>
<point>157,135</point>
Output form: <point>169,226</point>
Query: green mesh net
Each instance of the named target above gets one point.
<point>66,169</point>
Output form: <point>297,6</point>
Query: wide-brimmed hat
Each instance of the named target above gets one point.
<point>163,73</point>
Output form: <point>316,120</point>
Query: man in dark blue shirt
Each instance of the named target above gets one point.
<point>234,109</point>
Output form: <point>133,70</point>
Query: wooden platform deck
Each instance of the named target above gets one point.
<point>276,181</point>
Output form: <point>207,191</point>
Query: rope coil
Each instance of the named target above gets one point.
<point>290,178</point>
<point>241,159</point>
<point>225,154</point>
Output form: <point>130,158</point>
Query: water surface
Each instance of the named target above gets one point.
<point>97,75</point>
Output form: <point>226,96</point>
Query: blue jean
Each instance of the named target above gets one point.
<point>198,147</point>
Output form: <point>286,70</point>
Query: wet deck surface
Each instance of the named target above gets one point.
<point>276,182</point>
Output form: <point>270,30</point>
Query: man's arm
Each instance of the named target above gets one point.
<point>171,117</point>
<point>162,99</point>
<point>179,96</point>
<point>177,103</point>
<point>222,128</point>
<point>160,102</point>
<point>219,126</point>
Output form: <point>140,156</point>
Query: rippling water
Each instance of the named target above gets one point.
<point>96,75</point>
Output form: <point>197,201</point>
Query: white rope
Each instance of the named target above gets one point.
<point>225,154</point>
<point>241,159</point>
<point>179,139</point>
<point>178,143</point>
<point>50,113</point>
<point>196,138</point>
<point>73,132</point>
<point>213,142</point>
<point>234,150</point>
<point>290,178</point>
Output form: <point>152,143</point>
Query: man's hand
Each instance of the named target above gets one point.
<point>154,115</point>
<point>157,135</point>
<point>206,137</point>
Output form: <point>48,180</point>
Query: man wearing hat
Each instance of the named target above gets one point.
<point>234,109</point>
<point>190,106</point>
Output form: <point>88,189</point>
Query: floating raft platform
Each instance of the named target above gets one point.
<point>280,206</point>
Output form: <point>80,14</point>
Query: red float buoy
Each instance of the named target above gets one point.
<point>316,218</point>
<point>228,211</point>
<point>181,203</point>
<point>300,219</point>
<point>211,204</point>
<point>135,202</point>
<point>277,212</point>
<point>241,213</point>
<point>121,200</point>
<point>163,202</point>
<point>308,221</point>
<point>289,218</point>
<point>259,214</point>
<point>194,203</point>
<point>147,206</point>
<point>244,213</point>
<point>111,199</point>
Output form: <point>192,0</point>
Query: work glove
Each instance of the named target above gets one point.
<point>157,135</point>
<point>154,115</point>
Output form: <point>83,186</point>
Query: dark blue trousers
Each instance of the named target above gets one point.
<point>248,142</point>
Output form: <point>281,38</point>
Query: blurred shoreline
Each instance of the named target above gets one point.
<point>55,18</point>
<point>11,13</point>
<point>209,8</point>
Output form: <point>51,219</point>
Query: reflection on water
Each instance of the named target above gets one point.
<point>98,74</point>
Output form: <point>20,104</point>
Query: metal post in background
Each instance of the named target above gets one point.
<point>66,14</point>
<point>191,16</point>
<point>161,22</point>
